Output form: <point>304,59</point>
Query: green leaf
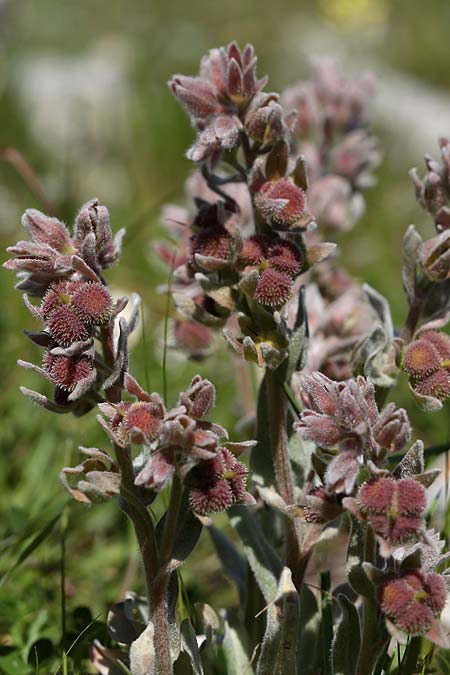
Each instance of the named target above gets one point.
<point>411,242</point>
<point>32,546</point>
<point>300,454</point>
<point>12,664</point>
<point>310,647</point>
<point>262,558</point>
<point>235,647</point>
<point>355,558</point>
<point>278,655</point>
<point>261,462</point>
<point>412,462</point>
<point>189,529</point>
<point>142,653</point>
<point>346,643</point>
<point>299,338</point>
<point>189,646</point>
<point>232,561</point>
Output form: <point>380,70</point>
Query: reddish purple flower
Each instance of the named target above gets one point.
<point>394,508</point>
<point>66,326</point>
<point>217,484</point>
<point>274,288</point>
<point>93,302</point>
<point>282,204</point>
<point>427,361</point>
<point>68,372</point>
<point>412,601</point>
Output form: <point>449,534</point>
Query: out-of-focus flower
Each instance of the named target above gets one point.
<point>333,203</point>
<point>433,191</point>
<point>336,327</point>
<point>355,157</point>
<point>434,256</point>
<point>329,117</point>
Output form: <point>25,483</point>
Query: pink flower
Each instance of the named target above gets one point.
<point>282,204</point>
<point>427,361</point>
<point>412,601</point>
<point>394,508</point>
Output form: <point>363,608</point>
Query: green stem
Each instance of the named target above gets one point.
<point>160,615</point>
<point>411,655</point>
<point>141,519</point>
<point>276,400</point>
<point>373,637</point>
<point>327,620</point>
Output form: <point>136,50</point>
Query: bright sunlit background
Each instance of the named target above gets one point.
<point>83,98</point>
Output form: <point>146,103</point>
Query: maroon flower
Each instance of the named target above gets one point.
<point>394,508</point>
<point>66,372</point>
<point>427,361</point>
<point>412,601</point>
<point>66,326</point>
<point>217,484</point>
<point>93,302</point>
<point>274,288</point>
<point>281,203</point>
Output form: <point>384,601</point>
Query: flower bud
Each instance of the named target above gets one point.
<point>434,256</point>
<point>199,398</point>
<point>264,120</point>
<point>197,95</point>
<point>47,230</point>
<point>392,430</point>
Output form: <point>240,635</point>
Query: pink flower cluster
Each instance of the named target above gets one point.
<point>328,115</point>
<point>181,442</point>
<point>345,415</point>
<point>227,99</point>
<point>65,272</point>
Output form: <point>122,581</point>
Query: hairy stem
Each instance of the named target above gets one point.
<point>412,319</point>
<point>283,473</point>
<point>160,612</point>
<point>141,519</point>
<point>373,637</point>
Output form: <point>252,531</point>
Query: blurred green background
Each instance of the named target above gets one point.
<point>83,97</point>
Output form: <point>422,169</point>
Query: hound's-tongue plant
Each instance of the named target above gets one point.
<point>251,260</point>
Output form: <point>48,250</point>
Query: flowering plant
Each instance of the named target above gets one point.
<point>329,462</point>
